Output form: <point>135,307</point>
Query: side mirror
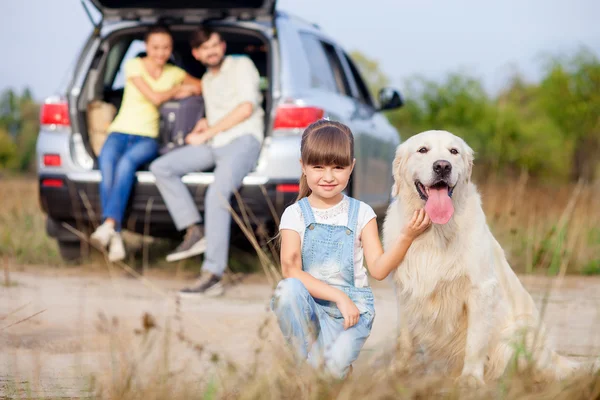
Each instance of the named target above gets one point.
<point>389,99</point>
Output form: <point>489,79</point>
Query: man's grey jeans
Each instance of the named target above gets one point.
<point>232,163</point>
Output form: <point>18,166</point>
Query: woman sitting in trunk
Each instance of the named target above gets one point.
<point>132,142</point>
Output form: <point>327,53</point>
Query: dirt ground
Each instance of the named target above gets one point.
<point>87,325</point>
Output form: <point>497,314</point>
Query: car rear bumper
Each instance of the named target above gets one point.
<point>75,197</point>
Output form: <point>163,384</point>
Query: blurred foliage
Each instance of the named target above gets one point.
<point>550,129</point>
<point>19,126</point>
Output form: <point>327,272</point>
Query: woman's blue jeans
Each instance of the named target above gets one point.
<point>120,157</point>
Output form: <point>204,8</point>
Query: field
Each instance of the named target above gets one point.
<point>543,229</point>
<point>104,331</point>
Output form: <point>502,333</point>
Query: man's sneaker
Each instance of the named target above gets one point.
<point>193,244</point>
<point>116,248</point>
<point>208,286</point>
<point>101,236</point>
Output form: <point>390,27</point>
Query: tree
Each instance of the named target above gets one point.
<point>9,111</point>
<point>457,104</point>
<point>550,129</point>
<point>570,94</point>
<point>369,69</point>
<point>525,137</point>
<point>8,150</point>
<point>19,120</point>
<point>27,136</point>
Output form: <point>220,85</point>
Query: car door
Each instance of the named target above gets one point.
<point>375,143</point>
<point>331,90</point>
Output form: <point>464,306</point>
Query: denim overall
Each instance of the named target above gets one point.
<point>328,255</point>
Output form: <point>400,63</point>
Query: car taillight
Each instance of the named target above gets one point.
<point>290,117</point>
<point>288,188</point>
<point>52,160</point>
<point>52,182</point>
<point>55,112</point>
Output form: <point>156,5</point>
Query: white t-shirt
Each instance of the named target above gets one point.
<point>237,82</point>
<point>336,215</point>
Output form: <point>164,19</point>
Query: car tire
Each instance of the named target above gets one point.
<point>70,251</point>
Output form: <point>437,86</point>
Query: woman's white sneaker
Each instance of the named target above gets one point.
<point>102,235</point>
<point>116,248</point>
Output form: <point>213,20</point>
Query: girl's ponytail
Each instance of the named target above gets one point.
<point>304,190</point>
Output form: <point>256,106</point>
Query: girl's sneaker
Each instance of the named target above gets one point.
<point>101,236</point>
<point>116,248</point>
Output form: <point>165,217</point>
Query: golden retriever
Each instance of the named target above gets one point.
<point>460,301</point>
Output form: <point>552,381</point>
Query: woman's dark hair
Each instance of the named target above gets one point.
<point>158,28</point>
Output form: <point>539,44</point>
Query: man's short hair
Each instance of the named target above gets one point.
<point>201,35</point>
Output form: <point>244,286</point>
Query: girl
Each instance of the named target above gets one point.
<point>150,81</point>
<point>323,237</point>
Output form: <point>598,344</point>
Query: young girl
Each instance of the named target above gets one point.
<point>324,305</point>
<point>150,81</point>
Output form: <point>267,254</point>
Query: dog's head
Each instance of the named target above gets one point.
<point>430,168</point>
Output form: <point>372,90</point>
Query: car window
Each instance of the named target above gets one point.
<point>112,63</point>
<point>321,72</point>
<point>340,77</point>
<point>364,96</point>
<point>136,47</point>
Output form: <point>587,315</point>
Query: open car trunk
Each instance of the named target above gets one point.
<point>102,93</point>
<point>192,9</point>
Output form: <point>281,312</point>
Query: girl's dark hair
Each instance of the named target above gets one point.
<point>325,143</point>
<point>158,28</point>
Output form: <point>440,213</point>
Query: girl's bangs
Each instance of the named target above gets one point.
<point>328,147</point>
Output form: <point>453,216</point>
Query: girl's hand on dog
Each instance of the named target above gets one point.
<point>348,310</point>
<point>418,224</point>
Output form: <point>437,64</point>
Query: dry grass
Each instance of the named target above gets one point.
<point>278,377</point>
<point>143,367</point>
<point>23,238</point>
<point>23,226</point>
<point>543,229</point>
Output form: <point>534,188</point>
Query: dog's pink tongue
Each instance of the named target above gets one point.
<point>439,206</point>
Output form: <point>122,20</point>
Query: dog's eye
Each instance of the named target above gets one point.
<point>423,150</point>
<point>453,151</point>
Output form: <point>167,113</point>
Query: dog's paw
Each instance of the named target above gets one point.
<point>469,381</point>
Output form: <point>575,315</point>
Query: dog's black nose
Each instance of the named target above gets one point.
<point>442,167</point>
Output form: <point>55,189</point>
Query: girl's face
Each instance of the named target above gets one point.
<point>159,47</point>
<point>327,181</point>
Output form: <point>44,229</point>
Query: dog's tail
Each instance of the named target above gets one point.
<point>525,342</point>
<point>525,347</point>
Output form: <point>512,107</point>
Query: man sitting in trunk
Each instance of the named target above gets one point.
<point>230,139</point>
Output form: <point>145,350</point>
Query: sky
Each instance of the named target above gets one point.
<point>488,39</point>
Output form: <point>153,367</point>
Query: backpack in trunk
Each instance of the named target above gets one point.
<point>177,119</point>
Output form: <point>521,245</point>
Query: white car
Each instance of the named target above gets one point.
<point>306,76</point>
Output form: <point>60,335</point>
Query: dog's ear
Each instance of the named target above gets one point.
<point>468,156</point>
<point>397,166</point>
